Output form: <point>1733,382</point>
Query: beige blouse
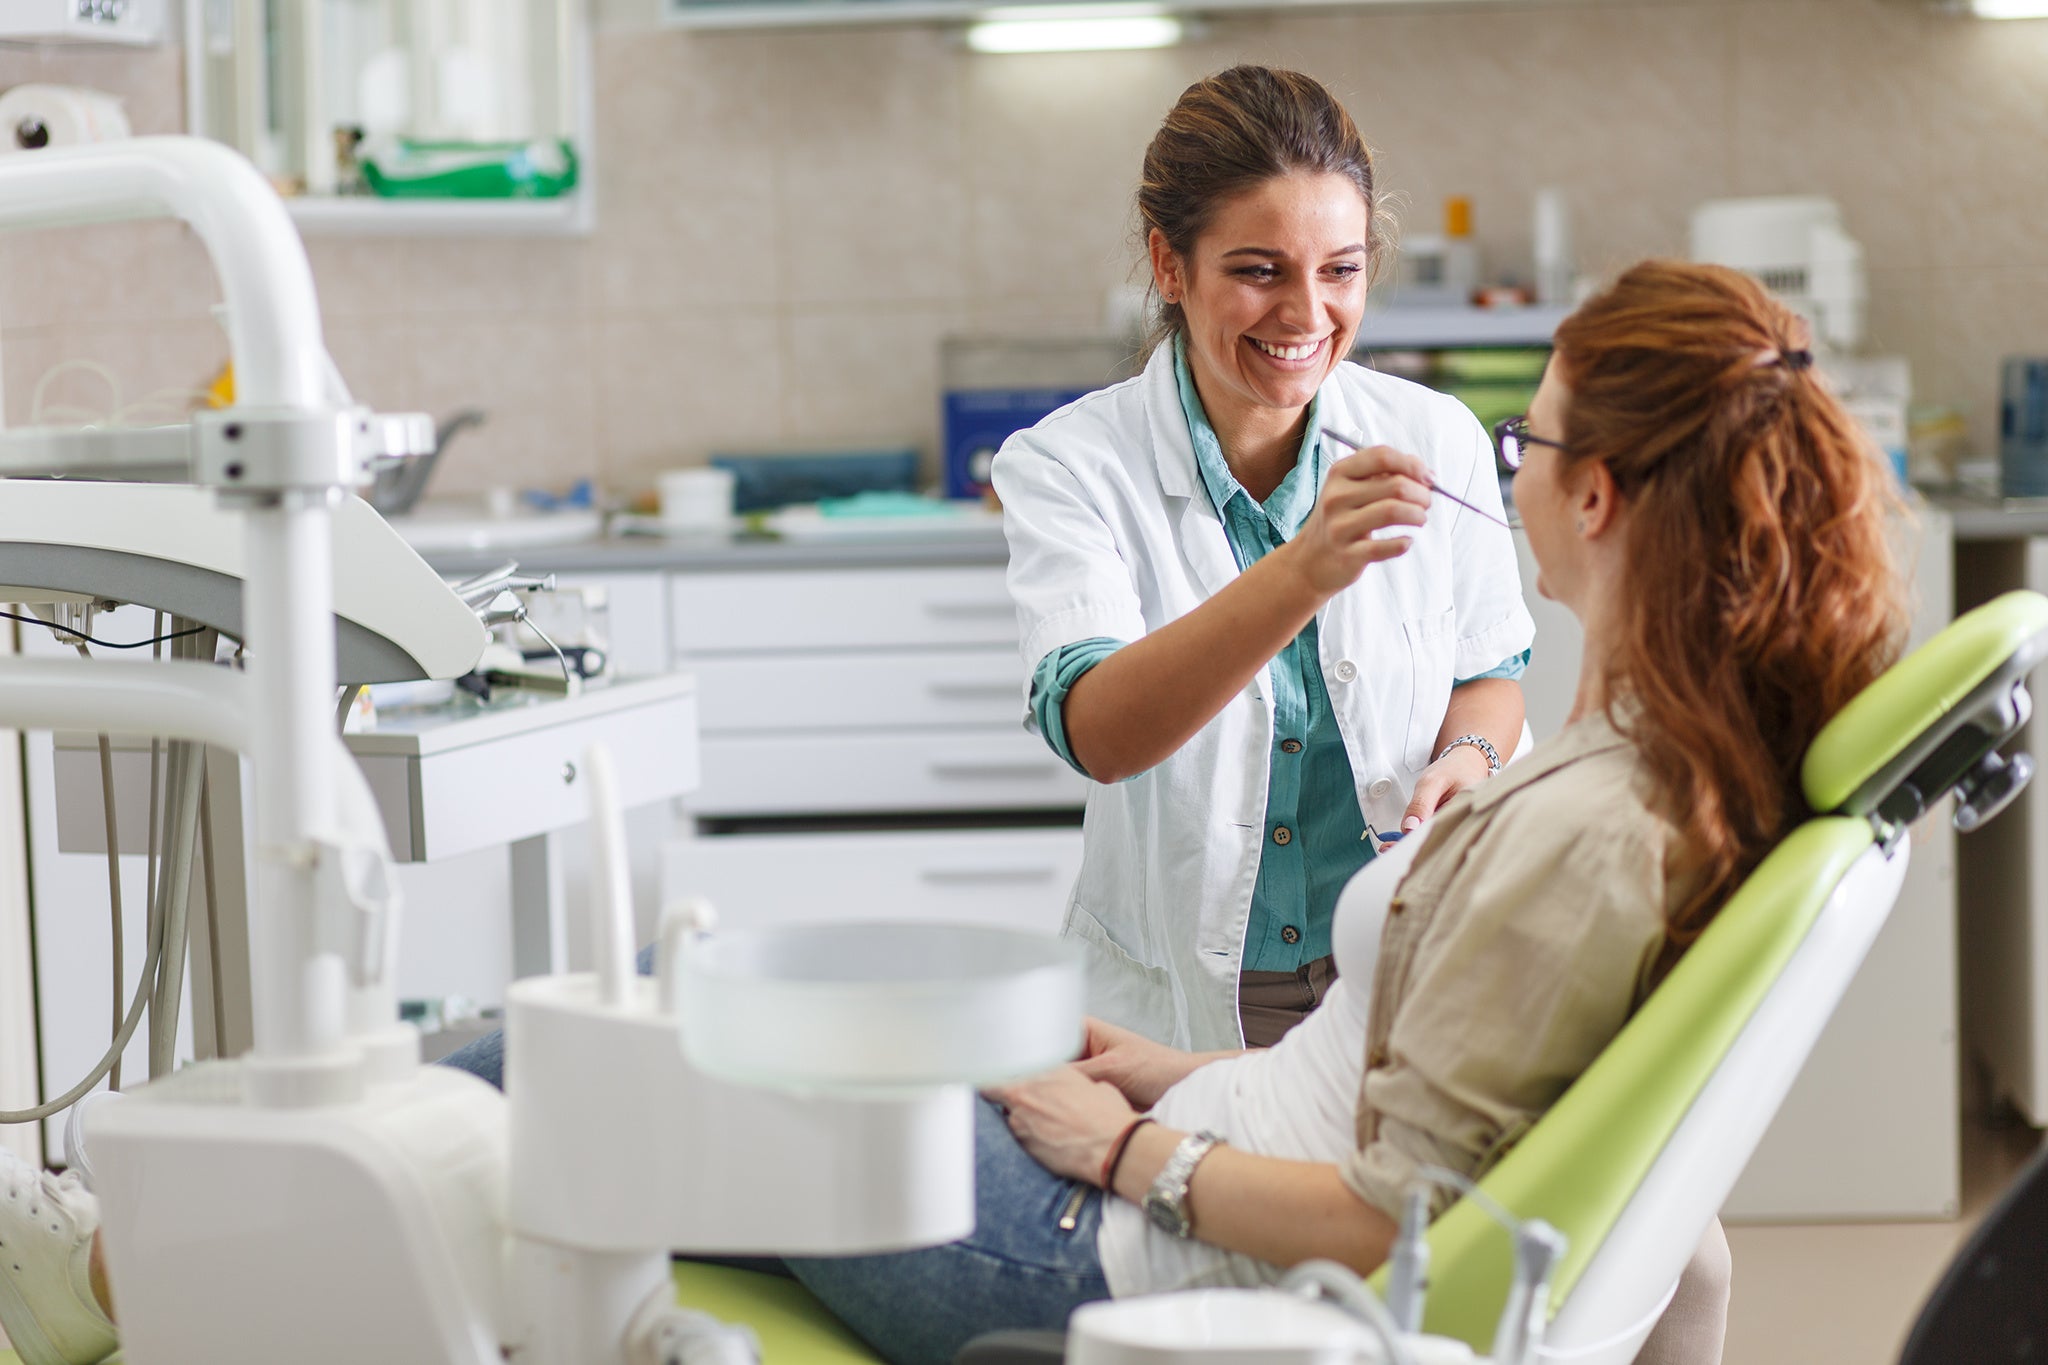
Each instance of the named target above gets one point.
<point>1515,949</point>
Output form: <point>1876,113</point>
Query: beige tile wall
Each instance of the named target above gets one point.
<point>789,222</point>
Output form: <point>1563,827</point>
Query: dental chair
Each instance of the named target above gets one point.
<point>1638,1156</point>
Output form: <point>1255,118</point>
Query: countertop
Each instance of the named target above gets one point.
<point>1981,516</point>
<point>703,552</point>
<point>1976,517</point>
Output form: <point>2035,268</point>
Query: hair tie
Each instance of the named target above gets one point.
<point>1797,360</point>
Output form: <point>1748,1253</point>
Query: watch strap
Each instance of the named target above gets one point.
<point>1167,1201</point>
<point>1483,745</point>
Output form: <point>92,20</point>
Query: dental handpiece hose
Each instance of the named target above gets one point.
<point>1408,1266</point>
<point>1538,1249</point>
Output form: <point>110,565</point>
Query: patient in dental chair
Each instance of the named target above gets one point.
<point>1717,525</point>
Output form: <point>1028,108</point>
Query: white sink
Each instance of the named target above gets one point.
<point>438,528</point>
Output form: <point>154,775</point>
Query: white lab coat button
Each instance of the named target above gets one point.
<point>1346,670</point>
<point>1380,788</point>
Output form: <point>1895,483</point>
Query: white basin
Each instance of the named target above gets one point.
<point>439,529</point>
<point>867,1008</point>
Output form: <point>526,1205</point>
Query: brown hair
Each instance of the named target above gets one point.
<point>1232,132</point>
<point>1764,593</point>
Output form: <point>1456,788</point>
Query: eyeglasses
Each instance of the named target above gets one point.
<point>1513,439</point>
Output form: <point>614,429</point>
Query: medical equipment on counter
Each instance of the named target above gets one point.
<point>1796,246</point>
<point>465,1224</point>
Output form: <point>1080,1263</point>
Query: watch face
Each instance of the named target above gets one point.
<point>1166,1216</point>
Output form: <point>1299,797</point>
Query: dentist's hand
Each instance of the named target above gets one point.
<point>1065,1120</point>
<point>1366,491</point>
<point>1462,768</point>
<point>1139,1068</point>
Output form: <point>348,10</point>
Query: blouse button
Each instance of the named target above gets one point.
<point>1290,746</point>
<point>1396,906</point>
<point>1283,835</point>
<point>1290,934</point>
<point>1377,1059</point>
<point>1346,670</point>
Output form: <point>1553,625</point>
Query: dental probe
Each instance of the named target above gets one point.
<point>1357,444</point>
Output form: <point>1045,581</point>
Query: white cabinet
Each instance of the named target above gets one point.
<point>864,754</point>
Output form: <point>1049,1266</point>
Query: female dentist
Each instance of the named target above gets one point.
<point>1263,645</point>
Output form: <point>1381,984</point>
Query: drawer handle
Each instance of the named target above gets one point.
<point>973,607</point>
<point>972,689</point>
<point>996,770</point>
<point>961,876</point>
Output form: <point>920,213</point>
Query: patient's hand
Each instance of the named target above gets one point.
<point>1142,1069</point>
<point>1066,1121</point>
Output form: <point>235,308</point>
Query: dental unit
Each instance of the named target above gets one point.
<point>326,1199</point>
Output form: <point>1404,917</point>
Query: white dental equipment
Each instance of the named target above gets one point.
<point>325,1198</point>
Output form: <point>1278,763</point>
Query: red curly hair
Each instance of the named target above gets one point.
<point>1765,593</point>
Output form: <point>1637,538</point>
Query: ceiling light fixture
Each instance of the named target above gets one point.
<point>2009,9</point>
<point>1075,28</point>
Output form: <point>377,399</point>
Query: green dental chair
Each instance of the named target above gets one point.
<point>1637,1157</point>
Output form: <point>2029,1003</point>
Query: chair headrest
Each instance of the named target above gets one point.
<point>1934,719</point>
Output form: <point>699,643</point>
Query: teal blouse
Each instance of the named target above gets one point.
<point>1314,831</point>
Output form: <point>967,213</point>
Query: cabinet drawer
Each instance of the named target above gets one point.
<point>1018,879</point>
<point>847,609</point>
<point>897,771</point>
<point>442,801</point>
<point>860,691</point>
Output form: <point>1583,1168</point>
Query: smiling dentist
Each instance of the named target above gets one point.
<point>1260,647</point>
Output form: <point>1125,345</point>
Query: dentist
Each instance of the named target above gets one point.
<point>1262,645</point>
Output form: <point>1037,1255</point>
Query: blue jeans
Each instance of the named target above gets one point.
<point>1017,1269</point>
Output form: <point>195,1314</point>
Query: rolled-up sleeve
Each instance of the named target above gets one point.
<point>1054,677</point>
<point>1067,574</point>
<point>1528,968</point>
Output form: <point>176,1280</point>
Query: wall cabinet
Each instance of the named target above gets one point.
<point>306,89</point>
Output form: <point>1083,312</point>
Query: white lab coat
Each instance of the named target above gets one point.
<point>1113,534</point>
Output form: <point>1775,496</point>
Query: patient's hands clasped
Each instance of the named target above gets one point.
<point>1142,1069</point>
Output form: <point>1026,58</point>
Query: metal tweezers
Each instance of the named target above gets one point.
<point>1356,444</point>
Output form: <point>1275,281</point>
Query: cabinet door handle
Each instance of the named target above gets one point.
<point>972,607</point>
<point>996,769</point>
<point>969,690</point>
<point>962,876</point>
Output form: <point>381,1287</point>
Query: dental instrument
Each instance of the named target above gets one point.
<point>1357,444</point>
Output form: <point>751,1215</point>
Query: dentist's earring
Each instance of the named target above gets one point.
<point>1580,526</point>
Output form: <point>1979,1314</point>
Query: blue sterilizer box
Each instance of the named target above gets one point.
<point>995,387</point>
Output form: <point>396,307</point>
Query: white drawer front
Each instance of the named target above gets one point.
<point>845,609</point>
<point>900,771</point>
<point>860,691</point>
<point>488,795</point>
<point>1014,878</point>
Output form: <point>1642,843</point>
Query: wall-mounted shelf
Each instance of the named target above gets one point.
<point>368,216</point>
<point>284,84</point>
<point>1424,329</point>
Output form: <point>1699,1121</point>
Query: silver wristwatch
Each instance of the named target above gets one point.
<point>1483,745</point>
<point>1166,1203</point>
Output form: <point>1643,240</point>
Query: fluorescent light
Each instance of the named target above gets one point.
<point>1075,28</point>
<point>2009,9</point>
